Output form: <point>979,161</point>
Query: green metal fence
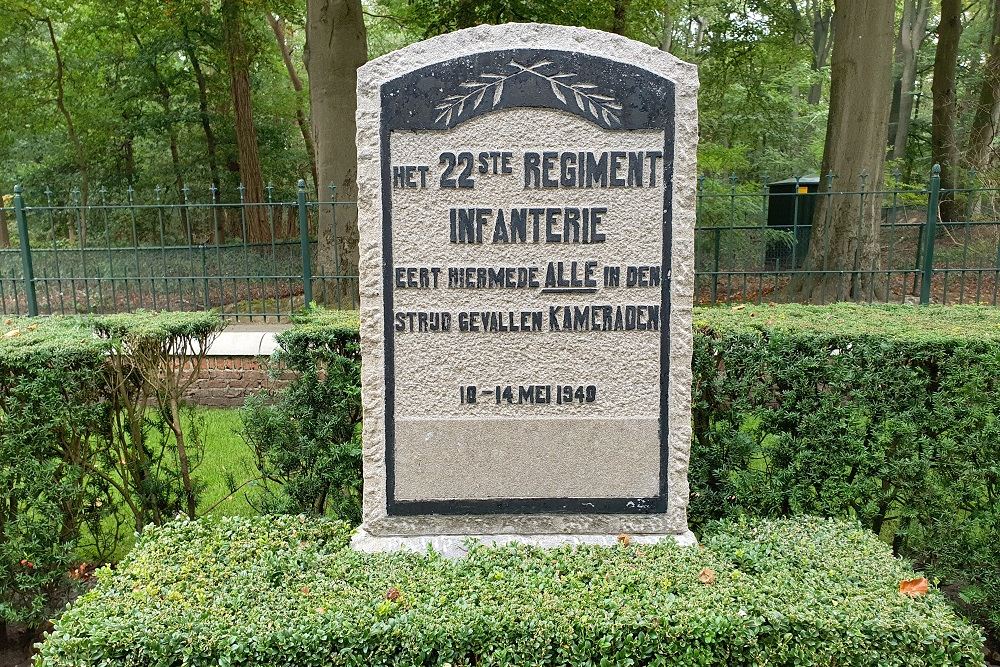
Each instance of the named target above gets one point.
<point>746,253</point>
<point>258,261</point>
<point>171,252</point>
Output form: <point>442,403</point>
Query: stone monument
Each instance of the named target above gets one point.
<point>527,201</point>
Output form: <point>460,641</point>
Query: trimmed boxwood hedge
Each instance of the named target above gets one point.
<point>306,437</point>
<point>78,398</point>
<point>288,591</point>
<point>889,415</point>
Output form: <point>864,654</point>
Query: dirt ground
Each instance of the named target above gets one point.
<point>16,648</point>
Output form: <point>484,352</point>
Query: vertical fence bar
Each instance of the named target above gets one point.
<point>22,233</point>
<point>307,280</point>
<point>932,214</point>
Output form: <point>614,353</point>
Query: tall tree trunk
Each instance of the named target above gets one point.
<point>211,144</point>
<point>74,138</point>
<point>987,115</point>
<point>620,16</point>
<point>843,258</point>
<point>821,15</point>
<point>175,154</point>
<point>667,33</point>
<point>278,27</point>
<point>944,147</point>
<point>912,33</point>
<point>4,230</point>
<point>238,59</point>
<point>336,45</point>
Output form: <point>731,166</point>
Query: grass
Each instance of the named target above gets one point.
<point>226,475</point>
<point>228,463</point>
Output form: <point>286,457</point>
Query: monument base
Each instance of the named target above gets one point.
<point>456,546</point>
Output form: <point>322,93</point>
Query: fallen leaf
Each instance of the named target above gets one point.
<point>914,587</point>
<point>624,540</point>
<point>707,576</point>
<point>305,589</point>
<point>393,594</point>
<point>12,333</point>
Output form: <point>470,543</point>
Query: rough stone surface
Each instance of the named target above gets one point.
<point>517,129</point>
<point>456,546</point>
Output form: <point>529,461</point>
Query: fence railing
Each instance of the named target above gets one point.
<point>248,260</point>
<point>262,261</point>
<point>756,243</point>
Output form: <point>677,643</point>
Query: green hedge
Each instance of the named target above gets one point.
<point>78,398</point>
<point>53,418</point>
<point>888,415</point>
<point>885,415</point>
<point>802,592</point>
<point>306,438</point>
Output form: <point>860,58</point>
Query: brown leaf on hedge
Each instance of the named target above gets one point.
<point>624,540</point>
<point>12,333</point>
<point>305,589</point>
<point>707,576</point>
<point>393,594</point>
<point>914,587</point>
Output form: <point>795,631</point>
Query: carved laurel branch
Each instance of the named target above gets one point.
<point>584,95</point>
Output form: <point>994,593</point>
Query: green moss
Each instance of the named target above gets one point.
<point>287,591</point>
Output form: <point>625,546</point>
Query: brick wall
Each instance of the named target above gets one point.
<point>225,381</point>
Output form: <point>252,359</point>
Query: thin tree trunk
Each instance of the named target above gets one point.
<point>987,115</point>
<point>944,147</point>
<point>211,144</point>
<point>278,27</point>
<point>821,15</point>
<point>912,33</point>
<point>128,155</point>
<point>620,16</point>
<point>843,258</point>
<point>238,59</point>
<point>4,231</point>
<point>175,155</point>
<point>78,150</point>
<point>336,45</point>
<point>667,34</point>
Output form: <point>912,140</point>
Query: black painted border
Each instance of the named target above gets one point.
<point>393,117</point>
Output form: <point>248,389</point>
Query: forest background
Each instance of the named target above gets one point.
<point>230,100</point>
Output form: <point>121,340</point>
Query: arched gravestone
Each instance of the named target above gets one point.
<point>526,197</point>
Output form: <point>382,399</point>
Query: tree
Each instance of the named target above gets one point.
<point>278,28</point>
<point>820,15</point>
<point>912,33</point>
<point>987,109</point>
<point>239,60</point>
<point>81,157</point>
<point>843,256</point>
<point>336,45</point>
<point>620,17</point>
<point>944,146</point>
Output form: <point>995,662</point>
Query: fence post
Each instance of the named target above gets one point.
<point>304,242</point>
<point>22,234</point>
<point>933,195</point>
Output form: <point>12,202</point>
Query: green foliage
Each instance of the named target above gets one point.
<point>801,592</point>
<point>52,420</point>
<point>306,438</point>
<point>74,457</point>
<point>889,415</point>
<point>144,327</point>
